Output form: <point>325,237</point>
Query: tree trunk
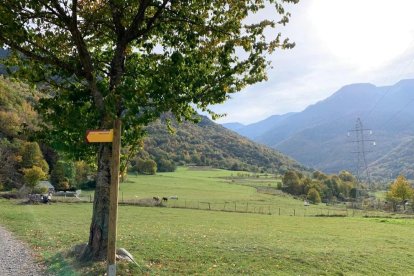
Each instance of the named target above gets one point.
<point>98,236</point>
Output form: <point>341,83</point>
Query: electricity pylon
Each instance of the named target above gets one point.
<point>360,141</point>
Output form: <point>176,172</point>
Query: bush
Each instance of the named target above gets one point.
<point>146,166</point>
<point>40,190</point>
<point>89,185</point>
<point>313,196</point>
<point>164,165</point>
<point>33,175</point>
<point>9,195</point>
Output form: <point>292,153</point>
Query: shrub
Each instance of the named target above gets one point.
<point>146,166</point>
<point>33,175</point>
<point>40,190</point>
<point>313,196</point>
<point>89,185</point>
<point>164,165</point>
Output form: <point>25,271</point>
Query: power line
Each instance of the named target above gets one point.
<point>402,72</point>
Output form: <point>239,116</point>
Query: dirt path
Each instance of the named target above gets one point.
<point>16,257</point>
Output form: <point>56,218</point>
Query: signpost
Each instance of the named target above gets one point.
<point>114,136</point>
<point>100,136</point>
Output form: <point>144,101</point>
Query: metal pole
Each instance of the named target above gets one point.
<point>113,198</point>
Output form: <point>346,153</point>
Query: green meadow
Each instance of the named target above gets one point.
<point>217,190</point>
<point>180,241</point>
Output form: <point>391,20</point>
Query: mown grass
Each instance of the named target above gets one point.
<point>178,241</point>
<point>169,241</point>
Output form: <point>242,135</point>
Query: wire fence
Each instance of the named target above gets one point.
<point>340,210</point>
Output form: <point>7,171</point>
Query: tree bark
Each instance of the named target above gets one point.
<point>96,248</point>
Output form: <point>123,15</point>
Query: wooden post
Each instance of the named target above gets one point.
<point>113,198</point>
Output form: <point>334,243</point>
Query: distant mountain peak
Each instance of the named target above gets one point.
<point>317,137</point>
<point>233,126</point>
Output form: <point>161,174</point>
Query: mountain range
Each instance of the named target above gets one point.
<point>324,136</point>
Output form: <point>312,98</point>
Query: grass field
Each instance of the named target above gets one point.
<point>169,241</point>
<point>216,190</point>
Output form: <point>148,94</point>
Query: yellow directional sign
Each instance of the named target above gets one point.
<point>100,136</point>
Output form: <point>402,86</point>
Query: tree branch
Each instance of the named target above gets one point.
<point>50,59</point>
<point>117,15</point>
<point>134,31</point>
<point>74,9</point>
<point>84,55</point>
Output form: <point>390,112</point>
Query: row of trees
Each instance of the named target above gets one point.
<point>320,187</point>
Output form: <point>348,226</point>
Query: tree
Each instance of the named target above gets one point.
<point>133,60</point>
<point>165,165</point>
<point>63,175</point>
<point>292,183</point>
<point>83,171</point>
<point>32,156</point>
<point>146,166</point>
<point>313,196</point>
<point>346,176</point>
<point>33,175</point>
<point>400,191</point>
<point>10,160</point>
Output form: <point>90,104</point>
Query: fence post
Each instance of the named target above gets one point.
<point>279,211</point>
<point>90,198</point>
<point>122,194</point>
<point>235,207</point>
<point>209,207</point>
<point>247,207</point>
<point>294,212</point>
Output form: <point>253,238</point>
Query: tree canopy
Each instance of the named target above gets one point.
<point>400,190</point>
<point>133,60</point>
<point>110,58</point>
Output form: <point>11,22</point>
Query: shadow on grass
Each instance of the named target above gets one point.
<point>58,265</point>
<point>66,264</point>
<point>63,265</point>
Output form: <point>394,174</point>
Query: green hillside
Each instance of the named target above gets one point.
<point>210,144</point>
<point>399,161</point>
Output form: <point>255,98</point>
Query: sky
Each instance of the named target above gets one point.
<point>338,42</point>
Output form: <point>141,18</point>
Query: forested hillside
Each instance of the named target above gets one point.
<point>208,143</point>
<point>19,159</point>
<point>17,116</point>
